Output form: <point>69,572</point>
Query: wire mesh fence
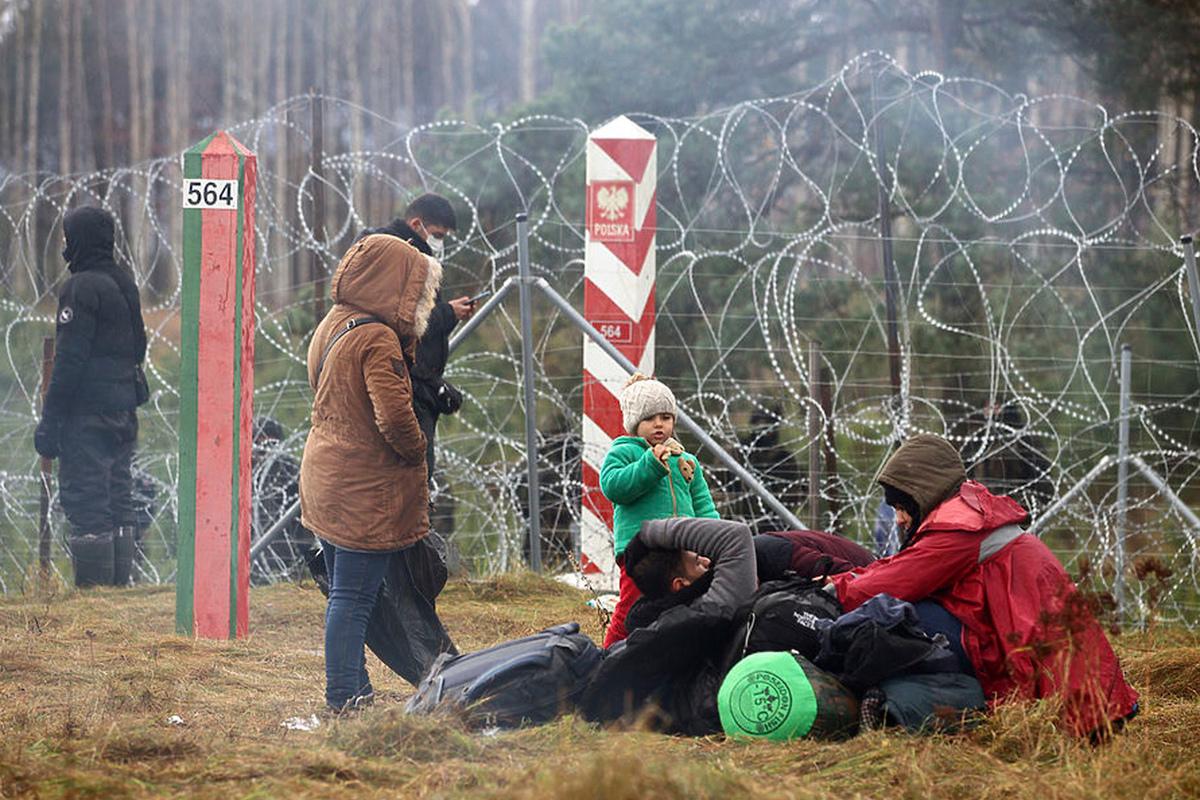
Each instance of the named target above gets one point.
<point>1031,238</point>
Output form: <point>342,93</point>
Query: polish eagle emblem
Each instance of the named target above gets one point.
<point>612,201</point>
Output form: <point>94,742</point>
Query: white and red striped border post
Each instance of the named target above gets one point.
<point>618,300</point>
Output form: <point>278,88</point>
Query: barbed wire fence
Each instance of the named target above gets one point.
<point>1031,236</point>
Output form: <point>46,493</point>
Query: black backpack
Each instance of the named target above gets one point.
<point>783,615</point>
<point>524,681</point>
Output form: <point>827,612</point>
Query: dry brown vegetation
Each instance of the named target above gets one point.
<point>88,681</point>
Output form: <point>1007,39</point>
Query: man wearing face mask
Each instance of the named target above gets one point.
<point>425,224</point>
<point>89,420</point>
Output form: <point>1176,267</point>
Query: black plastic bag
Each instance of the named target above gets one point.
<point>405,631</point>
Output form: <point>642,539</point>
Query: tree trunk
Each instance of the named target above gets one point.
<point>177,60</point>
<point>80,113</point>
<point>19,141</point>
<point>346,43</point>
<point>323,78</point>
<point>383,27</point>
<point>446,45</point>
<point>466,67</point>
<point>35,75</point>
<point>134,97</point>
<point>297,155</point>
<point>9,95</point>
<point>280,276</point>
<point>527,61</point>
<point>105,157</point>
<point>147,38</point>
<point>408,61</point>
<point>65,84</point>
<point>34,225</point>
<point>945,25</point>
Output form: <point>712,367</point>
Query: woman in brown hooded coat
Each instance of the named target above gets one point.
<point>363,487</point>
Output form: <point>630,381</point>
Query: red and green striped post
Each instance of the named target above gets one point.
<point>216,389</point>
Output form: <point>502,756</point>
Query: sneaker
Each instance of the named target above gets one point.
<point>871,715</point>
<point>351,707</point>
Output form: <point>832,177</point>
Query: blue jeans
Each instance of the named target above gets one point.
<point>936,619</point>
<point>354,581</point>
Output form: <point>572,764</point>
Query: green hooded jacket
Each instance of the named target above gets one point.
<point>639,488</point>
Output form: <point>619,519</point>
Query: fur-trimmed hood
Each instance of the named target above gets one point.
<point>390,279</point>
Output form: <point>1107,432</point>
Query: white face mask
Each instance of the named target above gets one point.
<point>438,246</point>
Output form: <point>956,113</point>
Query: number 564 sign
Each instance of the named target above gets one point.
<point>208,193</point>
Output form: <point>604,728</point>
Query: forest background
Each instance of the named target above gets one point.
<point>91,87</point>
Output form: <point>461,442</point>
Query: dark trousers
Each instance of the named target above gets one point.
<point>427,420</point>
<point>95,486</point>
<point>936,619</point>
<point>354,582</point>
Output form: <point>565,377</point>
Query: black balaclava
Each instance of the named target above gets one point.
<point>897,498</point>
<point>90,234</point>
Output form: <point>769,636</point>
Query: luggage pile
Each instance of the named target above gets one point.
<point>789,665</point>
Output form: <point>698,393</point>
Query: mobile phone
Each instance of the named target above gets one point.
<point>485,293</point>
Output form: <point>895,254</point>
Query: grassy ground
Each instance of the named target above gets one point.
<point>88,682</point>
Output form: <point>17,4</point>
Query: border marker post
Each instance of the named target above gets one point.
<point>618,301</point>
<point>216,389</point>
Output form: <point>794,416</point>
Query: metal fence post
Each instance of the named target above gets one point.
<point>1189,258</point>
<point>527,377</point>
<point>316,165</point>
<point>815,439</point>
<point>1122,481</point>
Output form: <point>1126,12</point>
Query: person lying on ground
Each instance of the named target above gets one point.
<point>676,662</point>
<point>647,476</point>
<point>666,578</point>
<point>1025,629</point>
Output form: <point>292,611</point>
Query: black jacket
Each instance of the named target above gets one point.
<point>433,349</point>
<point>682,646</point>
<point>100,338</point>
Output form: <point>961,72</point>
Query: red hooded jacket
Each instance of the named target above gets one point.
<point>1026,629</point>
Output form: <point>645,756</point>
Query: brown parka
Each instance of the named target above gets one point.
<point>362,478</point>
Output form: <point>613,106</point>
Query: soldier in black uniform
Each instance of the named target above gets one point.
<point>89,420</point>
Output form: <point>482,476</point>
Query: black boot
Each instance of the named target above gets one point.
<point>92,554</point>
<point>124,549</point>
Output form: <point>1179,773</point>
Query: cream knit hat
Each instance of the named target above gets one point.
<point>642,398</point>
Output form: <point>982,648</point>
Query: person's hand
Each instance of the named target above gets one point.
<point>662,453</point>
<point>463,308</point>
<point>47,439</point>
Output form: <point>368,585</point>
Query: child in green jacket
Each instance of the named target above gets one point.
<point>648,475</point>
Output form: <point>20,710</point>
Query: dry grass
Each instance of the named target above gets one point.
<point>88,681</point>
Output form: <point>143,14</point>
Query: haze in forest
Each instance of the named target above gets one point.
<point>89,85</point>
